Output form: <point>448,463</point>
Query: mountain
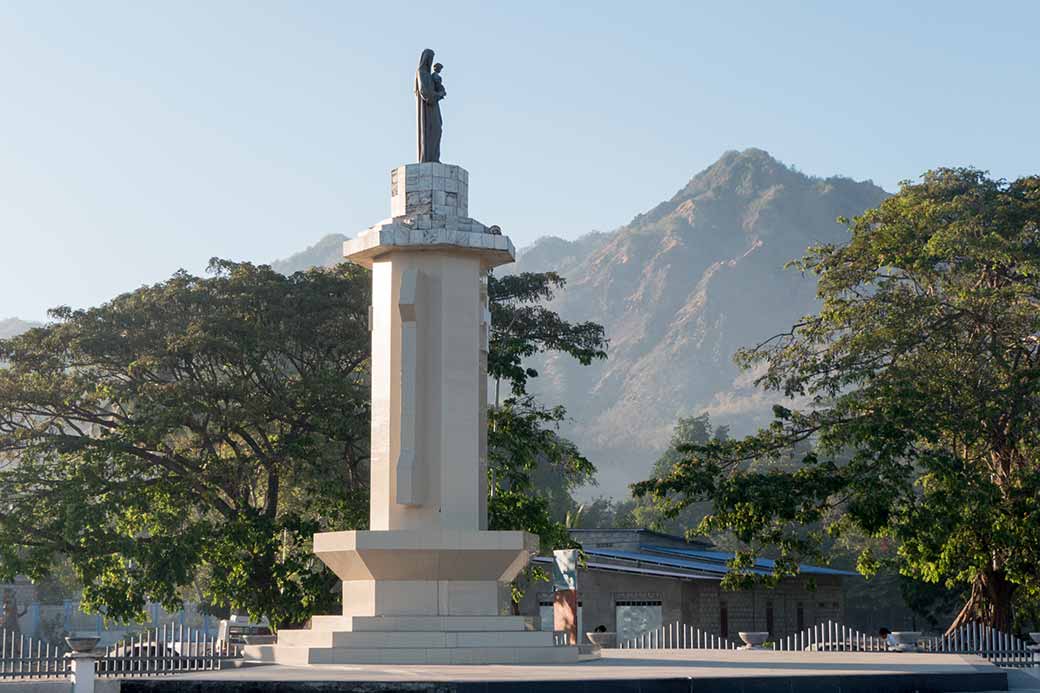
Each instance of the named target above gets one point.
<point>12,327</point>
<point>327,251</point>
<point>679,289</point>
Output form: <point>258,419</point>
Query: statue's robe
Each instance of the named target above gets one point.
<point>428,111</point>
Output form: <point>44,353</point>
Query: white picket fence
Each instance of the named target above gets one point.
<point>166,650</point>
<point>830,637</point>
<point>23,657</point>
<point>1003,649</point>
<point>159,651</point>
<point>677,636</point>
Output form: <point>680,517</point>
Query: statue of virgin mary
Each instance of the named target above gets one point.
<point>427,109</point>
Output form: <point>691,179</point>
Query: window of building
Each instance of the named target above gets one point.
<point>635,617</point>
<point>724,619</point>
<point>769,616</point>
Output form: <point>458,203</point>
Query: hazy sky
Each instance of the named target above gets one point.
<point>138,138</point>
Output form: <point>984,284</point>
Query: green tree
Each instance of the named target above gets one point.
<point>201,426</point>
<point>689,432</point>
<point>522,326</point>
<point>916,399</point>
<point>532,469</point>
<point>608,513</point>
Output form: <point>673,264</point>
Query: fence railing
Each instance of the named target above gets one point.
<point>28,658</point>
<point>41,620</point>
<point>1003,649</point>
<point>157,651</point>
<point>166,649</point>
<point>677,636</point>
<point>830,637</point>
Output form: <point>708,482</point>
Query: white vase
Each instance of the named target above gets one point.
<point>753,640</point>
<point>906,640</point>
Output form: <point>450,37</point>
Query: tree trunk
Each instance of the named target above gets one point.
<point>273,485</point>
<point>989,603</point>
<point>999,592</point>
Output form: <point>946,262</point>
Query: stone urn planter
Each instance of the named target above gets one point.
<point>603,639</point>
<point>753,640</point>
<point>1035,637</point>
<point>906,640</point>
<point>82,643</point>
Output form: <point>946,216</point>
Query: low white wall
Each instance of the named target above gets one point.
<point>55,686</point>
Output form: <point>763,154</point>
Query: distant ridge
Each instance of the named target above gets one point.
<point>12,327</point>
<point>326,252</point>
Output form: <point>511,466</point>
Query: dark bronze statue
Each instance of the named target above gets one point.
<point>429,90</point>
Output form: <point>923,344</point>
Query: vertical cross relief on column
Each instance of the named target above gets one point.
<point>408,470</point>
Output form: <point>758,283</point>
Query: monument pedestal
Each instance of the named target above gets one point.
<point>426,584</point>
<point>424,572</point>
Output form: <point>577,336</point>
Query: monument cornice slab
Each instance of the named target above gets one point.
<point>393,235</point>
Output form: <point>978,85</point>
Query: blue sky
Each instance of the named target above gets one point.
<point>141,137</point>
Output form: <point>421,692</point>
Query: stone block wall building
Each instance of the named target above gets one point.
<point>635,580</point>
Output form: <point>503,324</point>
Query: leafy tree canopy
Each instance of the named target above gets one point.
<point>532,470</point>
<point>195,427</point>
<point>647,512</point>
<point>522,326</point>
<point>916,391</point>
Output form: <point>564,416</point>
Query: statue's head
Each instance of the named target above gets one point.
<point>437,67</point>
<point>426,59</point>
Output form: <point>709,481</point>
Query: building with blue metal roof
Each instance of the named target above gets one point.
<point>635,580</point>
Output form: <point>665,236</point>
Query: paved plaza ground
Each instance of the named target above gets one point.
<point>706,670</point>
<point>632,671</point>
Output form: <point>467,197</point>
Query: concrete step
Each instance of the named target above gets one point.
<point>301,656</point>
<point>421,623</point>
<point>414,639</point>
